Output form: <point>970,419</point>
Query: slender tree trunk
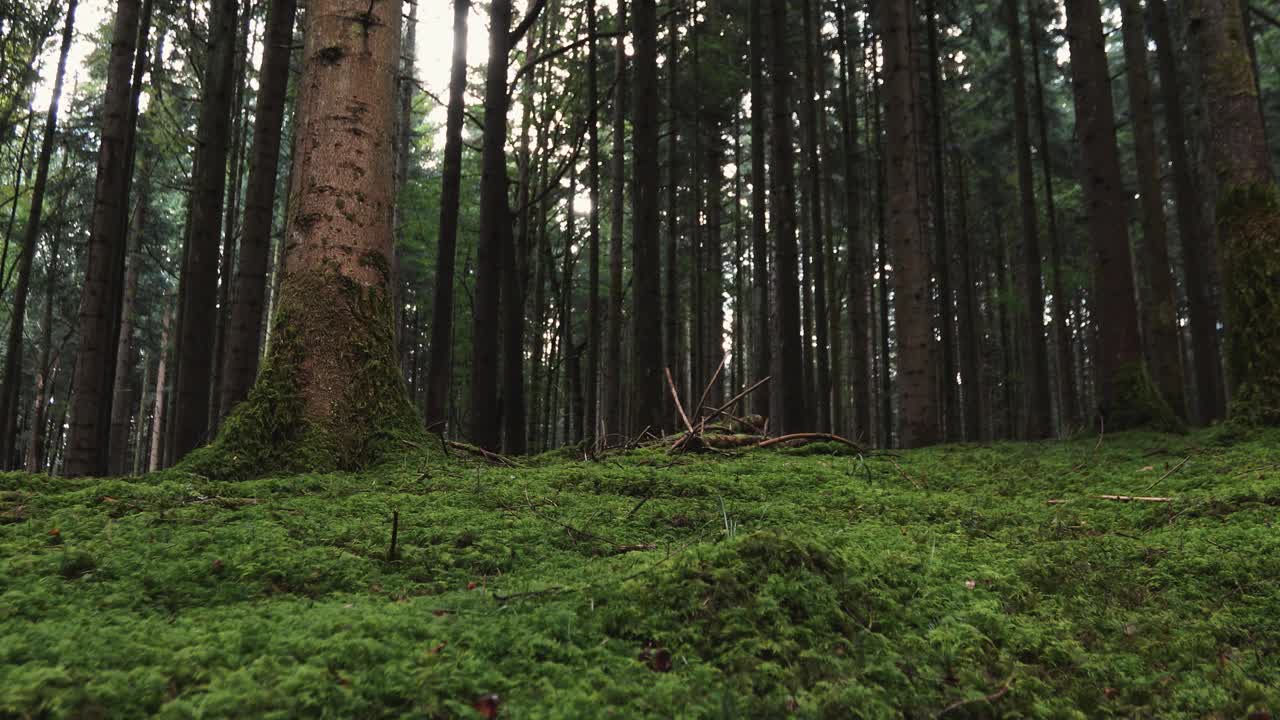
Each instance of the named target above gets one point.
<point>1031,288</point>
<point>1248,216</point>
<point>1196,249</point>
<point>565,301</point>
<point>1161,317</point>
<point>12,380</point>
<point>855,249</point>
<point>90,411</point>
<point>1068,395</point>
<point>761,362</point>
<point>788,412</point>
<point>439,369</point>
<point>246,318</point>
<point>592,401</point>
<point>813,167</point>
<point>950,393</point>
<point>1125,395</point>
<point>139,422</point>
<point>883,270</point>
<point>122,403</point>
<point>713,273</point>
<point>613,360</point>
<point>916,382</point>
<point>156,459</point>
<point>970,330</point>
<point>199,286</point>
<point>646,327</point>
<point>671,290</point>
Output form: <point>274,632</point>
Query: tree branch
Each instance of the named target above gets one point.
<point>516,35</point>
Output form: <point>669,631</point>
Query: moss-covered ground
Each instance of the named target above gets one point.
<point>961,581</point>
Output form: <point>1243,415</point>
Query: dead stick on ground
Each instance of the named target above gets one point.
<point>1167,474</point>
<point>808,436</point>
<point>676,397</point>
<point>1134,498</point>
<point>706,392</point>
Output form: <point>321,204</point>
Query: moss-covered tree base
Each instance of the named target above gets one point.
<point>1139,404</point>
<point>330,395</point>
<point>1249,234</point>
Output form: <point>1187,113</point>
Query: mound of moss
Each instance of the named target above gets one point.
<point>960,581</point>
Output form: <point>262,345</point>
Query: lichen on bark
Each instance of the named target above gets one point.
<point>354,411</point>
<point>1249,233</point>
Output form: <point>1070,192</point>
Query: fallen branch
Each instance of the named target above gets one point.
<point>492,457</point>
<point>1135,498</point>
<point>812,437</point>
<point>676,397</point>
<point>1167,474</point>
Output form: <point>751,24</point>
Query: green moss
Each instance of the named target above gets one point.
<point>1139,403</point>
<point>1249,234</point>
<point>292,420</point>
<point>873,587</point>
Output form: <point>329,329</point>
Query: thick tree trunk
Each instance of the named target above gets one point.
<point>950,397</point>
<point>90,411</point>
<point>917,383</point>
<point>440,366</point>
<point>761,363</point>
<point>331,394</point>
<point>788,411</point>
<point>1196,245</point>
<point>199,285</point>
<point>246,319</point>
<point>646,326</point>
<point>613,351</point>
<point>1161,314</point>
<point>856,276</point>
<point>1031,286</point>
<point>1248,216</point>
<point>12,380</point>
<point>1126,395</point>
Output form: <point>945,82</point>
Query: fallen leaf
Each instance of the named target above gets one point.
<point>55,532</point>
<point>487,705</point>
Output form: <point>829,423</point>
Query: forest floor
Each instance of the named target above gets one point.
<point>961,581</point>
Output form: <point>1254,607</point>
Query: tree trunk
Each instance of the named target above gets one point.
<point>331,395</point>
<point>1126,396</point>
<point>646,326</point>
<point>613,360</point>
<point>246,318</point>
<point>156,459</point>
<point>1161,314</point>
<point>1196,249</point>
<point>671,334</point>
<point>761,362</point>
<point>12,380</point>
<point>1248,216</point>
<point>917,384</point>
<point>1031,287</point>
<point>591,418</point>
<point>1068,395</point>
<point>813,167</point>
<point>122,402</point>
<point>950,397</point>
<point>969,331</point>
<point>440,366</point>
<point>856,276</point>
<point>788,410</point>
<point>199,285</point>
<point>90,411</point>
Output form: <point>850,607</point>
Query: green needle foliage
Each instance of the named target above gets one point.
<point>962,581</point>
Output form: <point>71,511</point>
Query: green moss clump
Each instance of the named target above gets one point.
<point>328,330</point>
<point>1249,234</point>
<point>1139,404</point>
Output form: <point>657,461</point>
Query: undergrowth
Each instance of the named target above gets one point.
<point>962,581</point>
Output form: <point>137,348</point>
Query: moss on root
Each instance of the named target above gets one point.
<point>1249,231</point>
<point>330,395</point>
<point>1139,403</point>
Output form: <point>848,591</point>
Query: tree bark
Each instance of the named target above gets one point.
<point>12,380</point>
<point>917,384</point>
<point>156,458</point>
<point>613,359</point>
<point>856,277</point>
<point>813,167</point>
<point>246,318</point>
<point>591,411</point>
<point>199,285</point>
<point>1248,216</point>
<point>122,402</point>
<point>90,410</point>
